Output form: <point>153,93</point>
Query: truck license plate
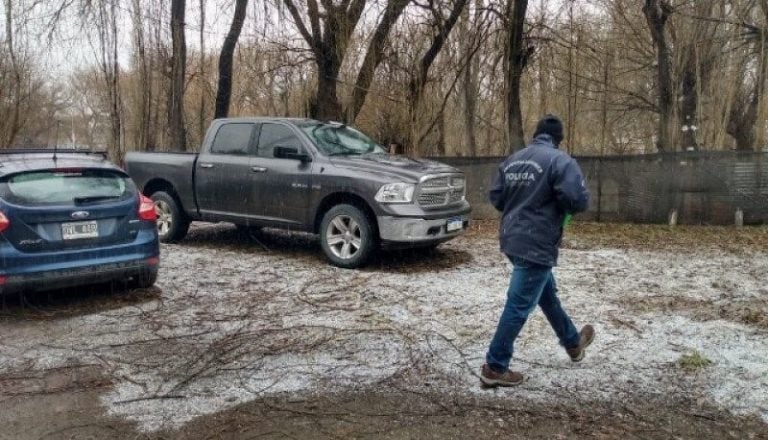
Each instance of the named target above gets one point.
<point>455,224</point>
<point>74,231</point>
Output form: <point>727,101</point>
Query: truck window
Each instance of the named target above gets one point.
<point>233,139</point>
<point>276,135</point>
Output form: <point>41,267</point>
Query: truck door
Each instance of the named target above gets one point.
<point>223,175</point>
<point>281,185</point>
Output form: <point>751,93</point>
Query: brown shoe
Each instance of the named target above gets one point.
<point>587,334</point>
<point>492,379</point>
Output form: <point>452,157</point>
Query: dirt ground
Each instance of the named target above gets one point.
<point>256,337</point>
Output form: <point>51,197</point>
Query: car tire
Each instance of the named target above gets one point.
<point>144,279</point>
<point>347,236</point>
<point>172,222</point>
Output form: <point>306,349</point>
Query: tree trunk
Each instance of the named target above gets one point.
<point>201,115</point>
<point>116,98</point>
<point>144,83</point>
<point>516,60</point>
<point>177,131</point>
<point>471,80</point>
<point>657,13</point>
<point>327,105</point>
<point>13,125</point>
<point>224,93</point>
<point>689,124</point>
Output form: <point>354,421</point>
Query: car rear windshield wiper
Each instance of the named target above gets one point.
<point>91,199</point>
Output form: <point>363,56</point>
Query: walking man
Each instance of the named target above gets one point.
<point>535,189</point>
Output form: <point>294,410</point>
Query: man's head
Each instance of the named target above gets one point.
<point>551,125</point>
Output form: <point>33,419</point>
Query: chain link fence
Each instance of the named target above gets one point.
<point>698,187</point>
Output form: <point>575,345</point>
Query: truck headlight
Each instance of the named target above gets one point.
<point>396,193</point>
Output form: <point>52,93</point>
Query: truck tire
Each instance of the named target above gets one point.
<point>347,236</point>
<point>172,222</point>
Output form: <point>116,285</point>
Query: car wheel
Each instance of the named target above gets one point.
<point>144,279</point>
<point>172,222</point>
<point>347,236</point>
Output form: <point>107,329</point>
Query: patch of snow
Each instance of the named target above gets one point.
<point>229,327</point>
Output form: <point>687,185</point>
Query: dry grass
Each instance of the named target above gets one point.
<point>694,361</point>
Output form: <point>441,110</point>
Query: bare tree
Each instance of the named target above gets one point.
<point>103,16</point>
<point>144,80</point>
<point>177,131</point>
<point>657,13</point>
<point>517,56</point>
<point>13,125</point>
<point>419,78</point>
<point>373,57</point>
<point>750,91</point>
<point>328,36</point>
<point>201,72</point>
<point>224,93</point>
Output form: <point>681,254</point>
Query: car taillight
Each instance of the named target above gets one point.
<point>3,280</point>
<point>147,209</point>
<point>4,222</point>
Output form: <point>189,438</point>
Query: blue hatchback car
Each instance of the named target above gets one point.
<point>72,218</point>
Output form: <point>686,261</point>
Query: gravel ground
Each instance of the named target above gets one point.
<point>238,321</point>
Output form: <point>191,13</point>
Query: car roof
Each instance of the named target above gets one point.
<point>17,161</point>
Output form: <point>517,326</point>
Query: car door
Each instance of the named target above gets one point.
<point>223,175</point>
<point>282,186</point>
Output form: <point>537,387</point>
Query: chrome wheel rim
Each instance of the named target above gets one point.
<point>164,217</point>
<point>344,237</point>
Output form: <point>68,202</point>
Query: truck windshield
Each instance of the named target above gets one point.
<point>337,139</point>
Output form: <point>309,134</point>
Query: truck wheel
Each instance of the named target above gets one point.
<point>347,237</point>
<point>172,222</point>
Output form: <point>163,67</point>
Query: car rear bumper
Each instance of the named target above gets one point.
<point>58,279</point>
<point>405,232</point>
<point>54,270</point>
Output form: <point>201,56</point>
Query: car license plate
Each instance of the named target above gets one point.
<point>74,231</point>
<point>455,224</point>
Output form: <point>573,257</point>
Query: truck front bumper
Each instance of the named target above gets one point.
<point>406,232</point>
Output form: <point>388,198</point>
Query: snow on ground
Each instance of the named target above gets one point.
<point>238,318</point>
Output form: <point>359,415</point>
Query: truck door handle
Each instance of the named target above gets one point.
<point>206,165</point>
<point>258,169</point>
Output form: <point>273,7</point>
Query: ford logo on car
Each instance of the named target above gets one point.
<point>78,215</point>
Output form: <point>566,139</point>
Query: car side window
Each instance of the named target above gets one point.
<point>276,135</point>
<point>234,139</point>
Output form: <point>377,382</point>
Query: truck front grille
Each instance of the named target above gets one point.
<point>441,191</point>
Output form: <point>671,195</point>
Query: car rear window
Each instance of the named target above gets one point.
<point>65,186</point>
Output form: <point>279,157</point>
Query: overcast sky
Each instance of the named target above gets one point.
<point>70,49</point>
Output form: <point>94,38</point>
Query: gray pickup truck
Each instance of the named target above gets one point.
<point>307,175</point>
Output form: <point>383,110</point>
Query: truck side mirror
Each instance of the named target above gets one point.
<point>291,153</point>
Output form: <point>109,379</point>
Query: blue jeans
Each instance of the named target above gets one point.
<point>531,284</point>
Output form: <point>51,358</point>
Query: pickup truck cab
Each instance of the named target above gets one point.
<point>301,174</point>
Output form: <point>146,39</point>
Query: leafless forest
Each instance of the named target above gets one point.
<point>440,77</point>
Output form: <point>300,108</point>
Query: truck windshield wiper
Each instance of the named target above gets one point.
<point>91,199</point>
